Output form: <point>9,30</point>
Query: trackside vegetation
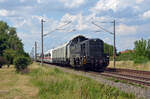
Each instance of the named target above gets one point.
<point>53,83</point>
<point>21,62</point>
<point>11,47</point>
<point>140,54</point>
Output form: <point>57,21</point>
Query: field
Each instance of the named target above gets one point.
<point>131,65</point>
<point>53,83</point>
<point>15,85</point>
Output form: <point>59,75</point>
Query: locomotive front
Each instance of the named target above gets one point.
<point>93,52</point>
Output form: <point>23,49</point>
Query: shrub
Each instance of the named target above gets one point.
<point>21,62</point>
<point>140,59</point>
<point>2,61</point>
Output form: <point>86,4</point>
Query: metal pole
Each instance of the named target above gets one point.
<point>114,49</point>
<point>35,51</point>
<point>42,42</point>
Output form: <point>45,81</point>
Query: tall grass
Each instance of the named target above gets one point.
<point>56,84</point>
<point>131,65</point>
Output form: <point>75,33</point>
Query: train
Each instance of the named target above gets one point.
<point>79,52</point>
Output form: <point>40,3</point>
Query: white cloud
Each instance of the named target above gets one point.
<point>125,43</point>
<point>139,1</point>
<point>22,1</point>
<point>123,29</point>
<point>72,3</point>
<point>2,1</point>
<point>5,13</point>
<point>146,14</point>
<point>115,5</point>
<point>39,1</point>
<point>103,5</point>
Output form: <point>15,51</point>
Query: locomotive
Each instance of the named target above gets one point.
<point>80,52</point>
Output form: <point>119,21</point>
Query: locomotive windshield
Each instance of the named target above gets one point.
<point>96,47</point>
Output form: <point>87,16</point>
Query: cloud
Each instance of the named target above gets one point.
<point>1,1</point>
<point>72,3</point>
<point>6,13</point>
<point>79,21</point>
<point>26,16</point>
<point>103,5</point>
<point>125,43</point>
<point>116,5</point>
<point>123,29</point>
<point>146,14</point>
<point>22,1</point>
<point>139,1</point>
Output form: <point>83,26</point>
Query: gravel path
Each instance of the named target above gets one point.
<point>137,91</point>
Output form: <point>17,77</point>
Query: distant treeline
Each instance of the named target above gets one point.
<point>140,53</point>
<point>10,45</point>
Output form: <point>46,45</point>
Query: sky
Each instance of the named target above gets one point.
<point>64,19</point>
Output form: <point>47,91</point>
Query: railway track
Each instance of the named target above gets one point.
<point>130,76</point>
<point>133,76</point>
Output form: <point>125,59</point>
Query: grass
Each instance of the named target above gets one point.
<point>16,86</point>
<point>131,65</point>
<point>53,83</point>
<point>56,84</point>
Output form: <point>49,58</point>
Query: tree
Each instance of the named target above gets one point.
<point>3,43</point>
<point>140,47</point>
<point>10,44</point>
<point>108,49</point>
<point>3,27</point>
<point>142,50</point>
<point>9,55</point>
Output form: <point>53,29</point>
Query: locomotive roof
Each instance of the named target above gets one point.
<point>79,36</point>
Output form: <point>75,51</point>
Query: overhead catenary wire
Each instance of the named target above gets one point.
<point>102,28</point>
<point>58,28</point>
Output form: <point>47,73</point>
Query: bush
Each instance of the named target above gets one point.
<point>140,60</point>
<point>3,61</point>
<point>125,56</point>
<point>21,62</point>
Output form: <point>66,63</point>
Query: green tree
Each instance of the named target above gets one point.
<point>3,42</point>
<point>10,44</point>
<point>140,47</point>
<point>9,55</point>
<point>108,49</point>
<point>3,27</point>
<point>142,50</point>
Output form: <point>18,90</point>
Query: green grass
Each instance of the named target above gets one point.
<point>131,65</point>
<point>53,83</point>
